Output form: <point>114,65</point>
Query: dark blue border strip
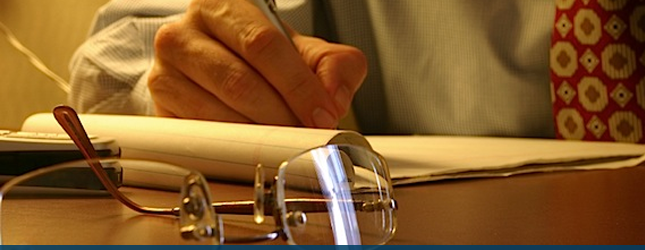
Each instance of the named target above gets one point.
<point>282,247</point>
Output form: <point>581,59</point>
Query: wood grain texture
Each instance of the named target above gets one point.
<point>561,208</point>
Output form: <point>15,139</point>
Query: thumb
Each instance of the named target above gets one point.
<point>341,68</point>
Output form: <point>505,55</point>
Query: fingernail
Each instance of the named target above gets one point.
<point>323,119</point>
<point>342,97</point>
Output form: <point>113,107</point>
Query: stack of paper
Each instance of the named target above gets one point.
<point>426,158</point>
<point>231,151</point>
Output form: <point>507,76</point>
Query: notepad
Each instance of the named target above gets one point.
<point>230,151</point>
<point>219,150</point>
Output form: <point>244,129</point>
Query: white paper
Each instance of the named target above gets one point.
<point>232,151</point>
<point>426,158</point>
<point>224,151</point>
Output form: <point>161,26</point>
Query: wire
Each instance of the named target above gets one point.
<point>33,59</point>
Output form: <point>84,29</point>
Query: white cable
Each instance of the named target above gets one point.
<point>33,59</point>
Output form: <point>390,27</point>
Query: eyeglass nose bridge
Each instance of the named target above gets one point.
<point>277,213</point>
<point>258,195</point>
<point>197,217</point>
<point>263,199</point>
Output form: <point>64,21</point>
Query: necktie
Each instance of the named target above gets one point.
<point>597,60</point>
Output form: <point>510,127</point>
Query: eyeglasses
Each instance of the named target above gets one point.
<point>335,194</point>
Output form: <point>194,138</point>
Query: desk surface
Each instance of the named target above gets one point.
<point>582,207</point>
<point>587,207</point>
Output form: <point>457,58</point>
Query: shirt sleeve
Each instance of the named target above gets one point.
<point>108,72</point>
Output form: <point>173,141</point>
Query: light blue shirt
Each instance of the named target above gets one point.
<point>454,67</point>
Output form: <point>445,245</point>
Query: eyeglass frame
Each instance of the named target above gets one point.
<point>202,228</point>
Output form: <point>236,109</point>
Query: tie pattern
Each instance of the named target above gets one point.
<point>597,63</point>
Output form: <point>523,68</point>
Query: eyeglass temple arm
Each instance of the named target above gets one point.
<point>310,205</point>
<point>69,121</point>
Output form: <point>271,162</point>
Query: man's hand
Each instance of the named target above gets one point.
<point>225,61</point>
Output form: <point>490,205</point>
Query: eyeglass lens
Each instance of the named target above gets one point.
<point>328,195</point>
<point>357,194</point>
<point>67,204</point>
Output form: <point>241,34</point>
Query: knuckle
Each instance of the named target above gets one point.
<point>360,67</point>
<point>235,86</point>
<point>359,58</point>
<point>300,87</point>
<point>196,4</point>
<point>168,36</point>
<point>258,39</point>
<point>158,82</point>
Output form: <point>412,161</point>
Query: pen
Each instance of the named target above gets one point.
<point>268,7</point>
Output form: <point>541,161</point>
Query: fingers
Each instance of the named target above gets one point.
<point>176,96</point>
<point>241,27</point>
<point>225,62</point>
<point>221,78</point>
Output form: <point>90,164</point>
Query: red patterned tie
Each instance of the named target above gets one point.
<point>598,70</point>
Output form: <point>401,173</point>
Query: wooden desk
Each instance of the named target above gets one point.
<point>588,207</point>
<point>582,207</point>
